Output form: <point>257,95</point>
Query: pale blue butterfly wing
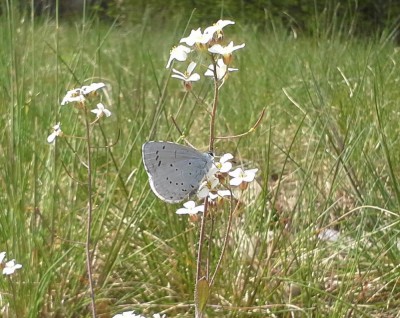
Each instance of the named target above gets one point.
<point>175,171</point>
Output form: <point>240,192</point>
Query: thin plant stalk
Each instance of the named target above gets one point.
<point>214,109</point>
<point>199,312</point>
<point>89,217</point>
<point>225,243</point>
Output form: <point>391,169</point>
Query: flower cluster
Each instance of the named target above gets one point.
<point>80,96</point>
<point>211,41</point>
<point>9,267</point>
<point>218,184</point>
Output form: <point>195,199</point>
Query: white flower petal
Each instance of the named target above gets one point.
<point>223,23</point>
<point>226,157</point>
<point>11,267</point>
<point>180,77</point>
<point>237,47</point>
<point>107,112</point>
<point>190,208</point>
<point>226,166</point>
<point>203,192</point>
<point>182,53</point>
<point>2,256</point>
<point>74,96</point>
<point>236,173</point>
<point>213,182</point>
<point>56,132</point>
<point>178,53</point>
<point>92,88</point>
<point>249,175</point>
<point>224,193</point>
<point>252,171</point>
<point>191,67</point>
<point>186,77</point>
<point>235,181</point>
<point>196,36</point>
<point>182,211</point>
<point>51,137</point>
<point>222,70</point>
<point>189,204</point>
<point>178,73</point>
<point>211,30</point>
<point>191,39</point>
<point>128,314</point>
<point>218,26</point>
<point>217,49</point>
<point>101,110</point>
<point>211,173</point>
<point>209,72</point>
<point>193,78</point>
<point>199,208</point>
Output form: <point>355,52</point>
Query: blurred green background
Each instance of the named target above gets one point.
<point>364,17</point>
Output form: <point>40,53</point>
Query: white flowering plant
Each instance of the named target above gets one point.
<point>82,98</point>
<point>88,101</point>
<point>221,186</point>
<point>8,268</point>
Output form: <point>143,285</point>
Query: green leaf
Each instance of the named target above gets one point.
<point>201,293</point>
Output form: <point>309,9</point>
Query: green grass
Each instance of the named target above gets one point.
<point>327,152</point>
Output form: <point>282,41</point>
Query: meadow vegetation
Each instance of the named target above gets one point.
<point>317,236</point>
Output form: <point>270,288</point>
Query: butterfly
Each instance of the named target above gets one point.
<point>175,171</point>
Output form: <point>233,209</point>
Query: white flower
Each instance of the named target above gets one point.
<point>56,132</point>
<point>78,94</point>
<point>219,49</point>
<point>72,96</point>
<point>128,314</point>
<point>209,184</point>
<point>2,256</point>
<point>196,36</point>
<point>178,53</point>
<point>240,176</point>
<point>212,172</point>
<point>187,76</point>
<point>101,110</point>
<point>217,27</point>
<point>226,51</point>
<point>219,194</point>
<point>224,165</point>
<point>92,88</point>
<point>159,316</point>
<point>11,267</point>
<point>190,208</point>
<point>222,70</point>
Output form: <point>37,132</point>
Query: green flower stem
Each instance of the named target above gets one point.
<point>89,216</point>
<point>214,109</point>
<point>199,311</point>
